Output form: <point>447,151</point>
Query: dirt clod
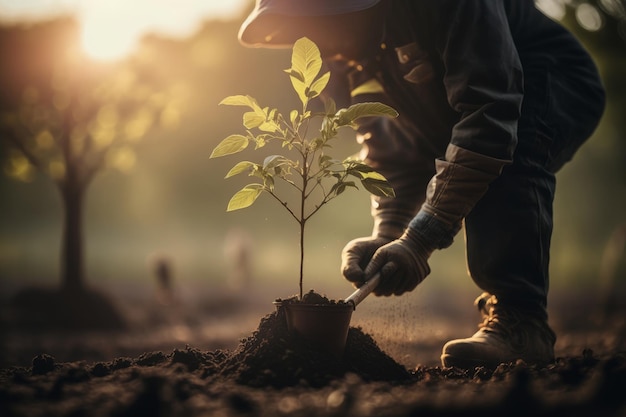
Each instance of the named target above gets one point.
<point>42,364</point>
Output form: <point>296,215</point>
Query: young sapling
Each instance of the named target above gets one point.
<point>304,165</point>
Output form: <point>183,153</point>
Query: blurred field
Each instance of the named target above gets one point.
<point>411,328</point>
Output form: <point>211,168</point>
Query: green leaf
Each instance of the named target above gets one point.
<point>253,119</point>
<point>378,188</point>
<point>372,180</point>
<point>293,117</point>
<point>306,59</point>
<point>328,128</point>
<point>295,74</point>
<point>273,161</point>
<point>277,165</point>
<point>306,63</point>
<point>245,197</point>
<point>348,116</point>
<point>250,119</point>
<point>230,145</point>
<point>319,85</point>
<point>300,89</point>
<point>316,143</point>
<point>340,187</point>
<point>371,86</point>
<point>323,159</point>
<point>330,107</point>
<point>362,171</point>
<point>356,167</point>
<point>373,175</point>
<point>269,126</point>
<point>240,100</point>
<point>260,141</point>
<point>240,167</point>
<point>335,165</point>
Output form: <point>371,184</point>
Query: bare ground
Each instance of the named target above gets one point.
<point>231,357</point>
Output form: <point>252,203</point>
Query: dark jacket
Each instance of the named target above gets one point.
<point>458,72</point>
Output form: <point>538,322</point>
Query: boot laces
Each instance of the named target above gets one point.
<point>518,330</point>
<point>495,318</point>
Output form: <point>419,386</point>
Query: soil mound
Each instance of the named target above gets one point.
<point>275,357</point>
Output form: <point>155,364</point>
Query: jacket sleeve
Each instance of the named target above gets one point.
<point>483,75</point>
<point>483,78</point>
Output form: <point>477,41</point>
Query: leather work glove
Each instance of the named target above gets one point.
<point>402,264</point>
<point>356,255</point>
<point>390,222</point>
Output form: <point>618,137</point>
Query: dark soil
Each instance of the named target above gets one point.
<point>275,373</point>
<point>47,308</point>
<point>310,297</point>
<point>275,357</point>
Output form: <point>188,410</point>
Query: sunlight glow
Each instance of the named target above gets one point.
<point>124,159</point>
<point>552,8</point>
<point>589,17</point>
<point>111,29</point>
<point>102,43</point>
<point>18,167</point>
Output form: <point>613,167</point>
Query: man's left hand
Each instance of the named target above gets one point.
<point>402,263</point>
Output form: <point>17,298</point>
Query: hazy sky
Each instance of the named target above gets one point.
<point>111,28</point>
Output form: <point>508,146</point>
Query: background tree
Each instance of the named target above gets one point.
<point>70,118</point>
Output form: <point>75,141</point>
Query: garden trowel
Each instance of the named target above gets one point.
<point>363,291</point>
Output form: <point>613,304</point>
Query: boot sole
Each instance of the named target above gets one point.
<point>466,363</point>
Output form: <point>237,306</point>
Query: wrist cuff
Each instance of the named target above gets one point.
<point>388,228</point>
<point>431,232</point>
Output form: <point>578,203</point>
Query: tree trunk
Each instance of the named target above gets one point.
<point>72,268</point>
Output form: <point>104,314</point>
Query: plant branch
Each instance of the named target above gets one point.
<point>32,159</point>
<point>317,184</point>
<point>284,204</point>
<point>327,198</point>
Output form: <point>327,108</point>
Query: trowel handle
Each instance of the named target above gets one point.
<point>363,291</point>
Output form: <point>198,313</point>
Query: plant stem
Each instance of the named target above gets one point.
<point>302,220</point>
<point>302,223</point>
<point>303,195</point>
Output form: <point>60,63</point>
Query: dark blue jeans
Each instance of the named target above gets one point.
<point>508,232</point>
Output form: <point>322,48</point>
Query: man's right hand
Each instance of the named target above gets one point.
<point>357,254</point>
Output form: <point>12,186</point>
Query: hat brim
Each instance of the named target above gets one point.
<point>269,24</point>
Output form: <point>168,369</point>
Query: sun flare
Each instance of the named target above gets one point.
<point>113,29</point>
<point>102,42</point>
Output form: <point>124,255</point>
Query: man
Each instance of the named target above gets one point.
<point>494,98</point>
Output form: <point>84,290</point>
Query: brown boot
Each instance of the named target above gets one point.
<point>505,335</point>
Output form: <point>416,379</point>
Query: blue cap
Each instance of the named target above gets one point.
<point>269,20</point>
